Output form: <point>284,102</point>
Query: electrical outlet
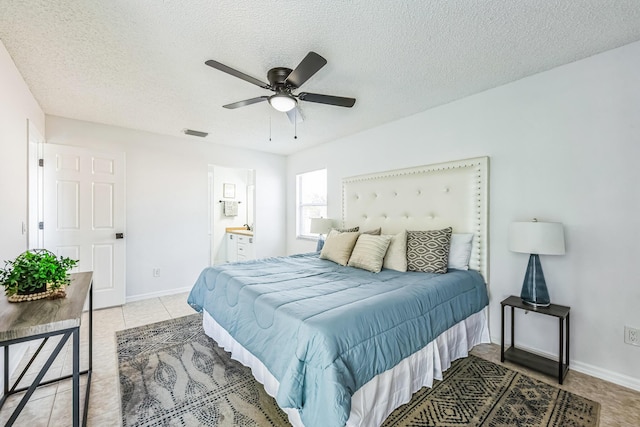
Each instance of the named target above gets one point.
<point>631,335</point>
<point>156,272</point>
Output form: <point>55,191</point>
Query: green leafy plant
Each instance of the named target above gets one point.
<point>34,270</point>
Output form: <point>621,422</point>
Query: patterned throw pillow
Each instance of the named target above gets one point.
<point>369,252</point>
<point>338,246</point>
<point>428,251</point>
<point>347,230</point>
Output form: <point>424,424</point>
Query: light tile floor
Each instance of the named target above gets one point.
<point>51,405</point>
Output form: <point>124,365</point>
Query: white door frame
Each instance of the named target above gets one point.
<point>35,188</point>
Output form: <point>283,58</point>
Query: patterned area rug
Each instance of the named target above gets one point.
<point>172,374</point>
<point>476,392</point>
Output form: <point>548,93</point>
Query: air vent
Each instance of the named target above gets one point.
<point>195,133</point>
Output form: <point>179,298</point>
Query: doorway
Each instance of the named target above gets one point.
<point>229,185</point>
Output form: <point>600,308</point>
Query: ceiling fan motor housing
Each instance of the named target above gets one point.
<point>277,77</point>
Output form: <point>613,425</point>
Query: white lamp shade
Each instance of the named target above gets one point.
<point>534,237</point>
<point>282,102</point>
<point>320,225</point>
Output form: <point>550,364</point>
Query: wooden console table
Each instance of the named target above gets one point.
<point>43,319</point>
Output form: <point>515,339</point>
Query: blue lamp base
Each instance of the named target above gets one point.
<point>534,288</point>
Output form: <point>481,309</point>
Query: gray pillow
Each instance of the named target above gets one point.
<point>373,231</point>
<point>428,251</point>
<point>460,251</point>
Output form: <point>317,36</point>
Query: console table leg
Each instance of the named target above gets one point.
<point>513,328</point>
<point>561,355</point>
<point>502,333</point>
<point>76,377</point>
<point>567,342</point>
<point>6,371</point>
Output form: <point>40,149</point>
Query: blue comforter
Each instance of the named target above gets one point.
<point>324,330</point>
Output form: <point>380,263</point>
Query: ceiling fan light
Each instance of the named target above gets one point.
<point>282,102</point>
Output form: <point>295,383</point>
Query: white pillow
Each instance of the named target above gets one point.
<point>396,257</point>
<point>460,251</point>
<point>338,246</point>
<point>369,252</point>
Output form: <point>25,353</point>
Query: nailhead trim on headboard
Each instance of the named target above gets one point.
<point>425,197</point>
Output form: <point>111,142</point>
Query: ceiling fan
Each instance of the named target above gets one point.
<point>283,81</point>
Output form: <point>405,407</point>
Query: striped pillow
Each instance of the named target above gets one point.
<point>369,251</point>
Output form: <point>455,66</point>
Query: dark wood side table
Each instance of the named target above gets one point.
<point>32,320</point>
<point>542,364</point>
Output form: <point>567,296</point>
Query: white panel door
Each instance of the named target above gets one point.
<point>84,215</point>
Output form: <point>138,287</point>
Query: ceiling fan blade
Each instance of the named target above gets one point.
<point>307,68</point>
<point>236,73</point>
<point>246,102</point>
<point>327,99</point>
<point>295,115</point>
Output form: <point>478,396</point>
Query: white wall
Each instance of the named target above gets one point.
<point>167,212</point>
<point>18,107</point>
<point>564,146</point>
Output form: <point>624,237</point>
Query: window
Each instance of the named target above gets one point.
<point>311,200</point>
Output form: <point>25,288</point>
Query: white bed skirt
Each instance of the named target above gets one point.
<point>374,401</point>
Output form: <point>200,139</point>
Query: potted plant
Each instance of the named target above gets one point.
<point>35,272</point>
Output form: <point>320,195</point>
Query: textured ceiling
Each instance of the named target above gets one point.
<point>140,63</point>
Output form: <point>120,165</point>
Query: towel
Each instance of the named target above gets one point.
<point>230,208</point>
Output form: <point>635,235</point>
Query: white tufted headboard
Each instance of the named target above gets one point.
<point>425,198</point>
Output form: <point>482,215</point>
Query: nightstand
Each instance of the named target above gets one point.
<point>542,364</point>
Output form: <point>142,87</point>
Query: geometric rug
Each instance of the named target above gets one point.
<point>172,374</point>
<point>476,392</point>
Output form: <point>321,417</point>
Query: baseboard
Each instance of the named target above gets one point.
<point>604,374</point>
<point>140,297</point>
<point>585,368</point>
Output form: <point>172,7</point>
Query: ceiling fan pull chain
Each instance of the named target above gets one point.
<point>295,124</point>
<point>269,127</point>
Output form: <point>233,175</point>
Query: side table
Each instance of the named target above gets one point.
<point>542,364</point>
<point>43,319</point>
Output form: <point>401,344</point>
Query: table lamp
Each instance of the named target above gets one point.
<point>536,238</point>
<point>320,226</point>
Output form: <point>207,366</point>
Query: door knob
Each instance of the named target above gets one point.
<point>119,235</point>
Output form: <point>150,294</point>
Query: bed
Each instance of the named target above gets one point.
<point>338,345</point>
